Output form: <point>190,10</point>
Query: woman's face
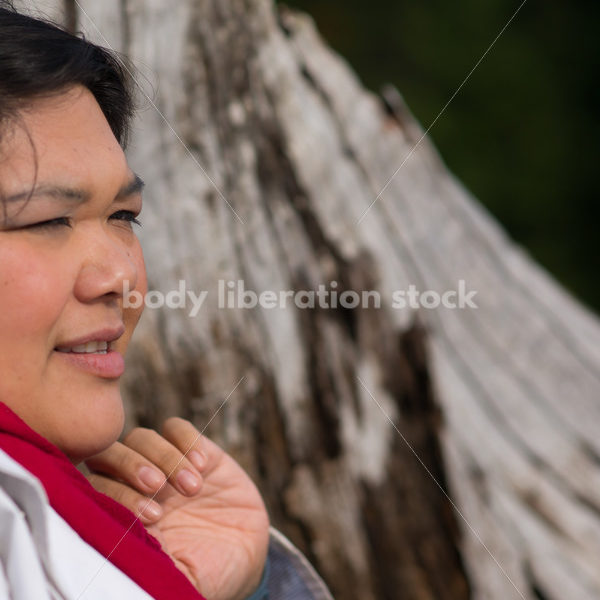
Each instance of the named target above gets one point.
<point>67,245</point>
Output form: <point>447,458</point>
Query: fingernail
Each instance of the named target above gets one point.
<point>188,481</point>
<point>150,509</point>
<point>151,477</point>
<point>198,459</point>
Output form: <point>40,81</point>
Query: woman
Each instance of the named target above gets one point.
<point>70,204</point>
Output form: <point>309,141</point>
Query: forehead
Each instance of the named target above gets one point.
<point>66,140</point>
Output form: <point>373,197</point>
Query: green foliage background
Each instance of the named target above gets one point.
<point>523,133</point>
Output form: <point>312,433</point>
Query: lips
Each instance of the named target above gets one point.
<point>95,347</point>
<point>94,353</point>
<point>110,365</point>
<point>98,342</point>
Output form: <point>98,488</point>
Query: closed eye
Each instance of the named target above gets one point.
<point>59,221</point>
<point>126,215</point>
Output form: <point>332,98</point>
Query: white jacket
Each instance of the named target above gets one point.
<point>43,558</point>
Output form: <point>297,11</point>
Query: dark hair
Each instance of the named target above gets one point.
<point>38,58</point>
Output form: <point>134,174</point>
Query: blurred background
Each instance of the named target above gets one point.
<point>523,132</point>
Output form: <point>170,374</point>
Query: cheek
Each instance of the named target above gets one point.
<point>33,292</point>
<point>138,256</point>
<point>131,316</point>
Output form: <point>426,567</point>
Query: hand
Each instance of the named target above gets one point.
<point>207,515</point>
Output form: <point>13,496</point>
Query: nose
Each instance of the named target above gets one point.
<point>107,268</point>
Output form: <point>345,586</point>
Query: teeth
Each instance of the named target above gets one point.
<point>89,348</point>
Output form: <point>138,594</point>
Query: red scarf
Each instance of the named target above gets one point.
<point>98,519</point>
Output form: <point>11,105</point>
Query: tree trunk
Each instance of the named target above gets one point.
<point>410,453</point>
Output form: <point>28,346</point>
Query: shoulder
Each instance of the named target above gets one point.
<point>41,556</point>
<point>21,570</point>
<point>290,574</point>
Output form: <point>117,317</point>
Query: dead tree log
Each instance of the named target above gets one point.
<point>411,453</point>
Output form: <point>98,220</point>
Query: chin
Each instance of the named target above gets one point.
<point>94,428</point>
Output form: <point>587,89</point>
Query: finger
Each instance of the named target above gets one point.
<point>198,449</point>
<point>181,473</point>
<point>187,438</point>
<point>121,462</point>
<point>146,509</point>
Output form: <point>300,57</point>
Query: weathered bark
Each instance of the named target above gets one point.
<point>495,408</point>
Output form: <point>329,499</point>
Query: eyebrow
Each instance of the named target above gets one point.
<point>132,187</point>
<point>135,186</point>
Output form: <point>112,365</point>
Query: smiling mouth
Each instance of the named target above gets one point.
<point>97,357</point>
<point>95,347</point>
